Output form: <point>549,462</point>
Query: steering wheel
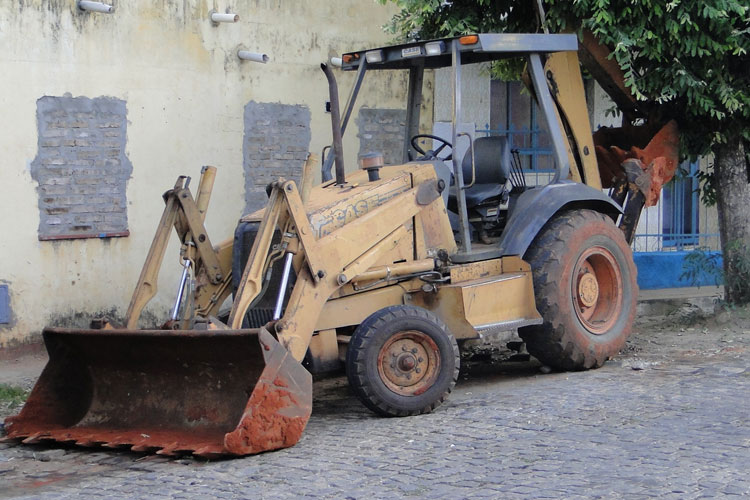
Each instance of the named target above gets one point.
<point>432,154</point>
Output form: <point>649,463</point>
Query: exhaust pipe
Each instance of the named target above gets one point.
<point>338,150</point>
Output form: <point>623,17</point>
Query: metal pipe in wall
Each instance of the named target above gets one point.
<point>95,6</point>
<point>220,17</point>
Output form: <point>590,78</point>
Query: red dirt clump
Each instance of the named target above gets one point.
<point>272,419</point>
<point>659,157</point>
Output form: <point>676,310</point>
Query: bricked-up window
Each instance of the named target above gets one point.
<point>81,167</point>
<point>276,142</point>
<point>382,131</point>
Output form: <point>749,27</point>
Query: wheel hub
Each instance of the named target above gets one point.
<point>408,363</point>
<point>588,289</point>
<point>597,290</point>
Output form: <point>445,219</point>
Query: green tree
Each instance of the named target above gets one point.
<point>689,58</point>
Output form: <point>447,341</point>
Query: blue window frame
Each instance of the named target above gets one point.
<point>680,205</point>
<point>517,119</point>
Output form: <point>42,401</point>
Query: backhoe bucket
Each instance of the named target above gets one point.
<point>206,392</point>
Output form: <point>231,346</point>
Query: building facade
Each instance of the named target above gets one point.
<point>102,112</point>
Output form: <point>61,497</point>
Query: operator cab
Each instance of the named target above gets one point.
<point>487,179</point>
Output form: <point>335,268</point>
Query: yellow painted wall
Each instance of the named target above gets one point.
<point>185,91</point>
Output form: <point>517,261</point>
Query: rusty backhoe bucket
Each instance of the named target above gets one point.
<point>212,392</point>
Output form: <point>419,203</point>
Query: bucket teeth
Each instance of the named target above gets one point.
<point>63,437</point>
<point>88,440</point>
<point>208,451</point>
<point>34,438</point>
<point>169,450</point>
<point>117,442</point>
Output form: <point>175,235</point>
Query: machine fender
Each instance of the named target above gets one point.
<point>537,206</point>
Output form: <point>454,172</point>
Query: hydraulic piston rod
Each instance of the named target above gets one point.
<point>282,286</point>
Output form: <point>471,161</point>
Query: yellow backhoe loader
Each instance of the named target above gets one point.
<point>383,271</point>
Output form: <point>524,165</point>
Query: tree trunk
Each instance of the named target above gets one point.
<point>733,203</point>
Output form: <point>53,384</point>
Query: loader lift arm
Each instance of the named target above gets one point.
<point>325,264</point>
<point>186,215</point>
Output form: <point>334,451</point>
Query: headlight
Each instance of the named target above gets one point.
<point>434,48</point>
<point>374,56</point>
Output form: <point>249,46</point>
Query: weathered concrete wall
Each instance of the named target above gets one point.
<point>185,93</point>
<point>81,167</point>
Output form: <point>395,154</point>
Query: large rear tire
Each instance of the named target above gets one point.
<point>585,288</point>
<point>401,361</point>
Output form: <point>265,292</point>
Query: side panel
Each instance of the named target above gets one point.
<point>432,228</point>
<point>502,299</point>
<point>536,206</point>
<point>352,310</point>
<point>448,305</point>
<point>475,270</point>
<point>481,304</point>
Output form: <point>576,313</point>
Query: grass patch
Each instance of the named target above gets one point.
<point>12,395</point>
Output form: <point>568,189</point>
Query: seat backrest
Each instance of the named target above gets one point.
<point>491,159</point>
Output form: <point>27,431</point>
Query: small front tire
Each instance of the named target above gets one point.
<point>401,361</point>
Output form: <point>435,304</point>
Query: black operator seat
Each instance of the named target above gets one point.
<point>492,168</point>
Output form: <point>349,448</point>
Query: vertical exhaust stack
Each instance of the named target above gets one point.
<point>338,149</point>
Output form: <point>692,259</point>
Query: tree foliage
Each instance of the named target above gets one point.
<point>685,59</point>
<point>690,57</point>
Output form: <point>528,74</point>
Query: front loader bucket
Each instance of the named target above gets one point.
<point>206,392</point>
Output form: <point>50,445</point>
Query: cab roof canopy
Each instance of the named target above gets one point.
<point>473,48</point>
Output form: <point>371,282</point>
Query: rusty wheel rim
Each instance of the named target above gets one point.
<point>597,290</point>
<point>409,362</point>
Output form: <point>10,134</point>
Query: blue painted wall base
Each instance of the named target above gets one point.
<point>663,270</point>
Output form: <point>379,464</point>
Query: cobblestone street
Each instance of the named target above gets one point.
<point>671,425</point>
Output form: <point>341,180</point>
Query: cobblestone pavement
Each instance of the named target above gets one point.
<point>636,428</point>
